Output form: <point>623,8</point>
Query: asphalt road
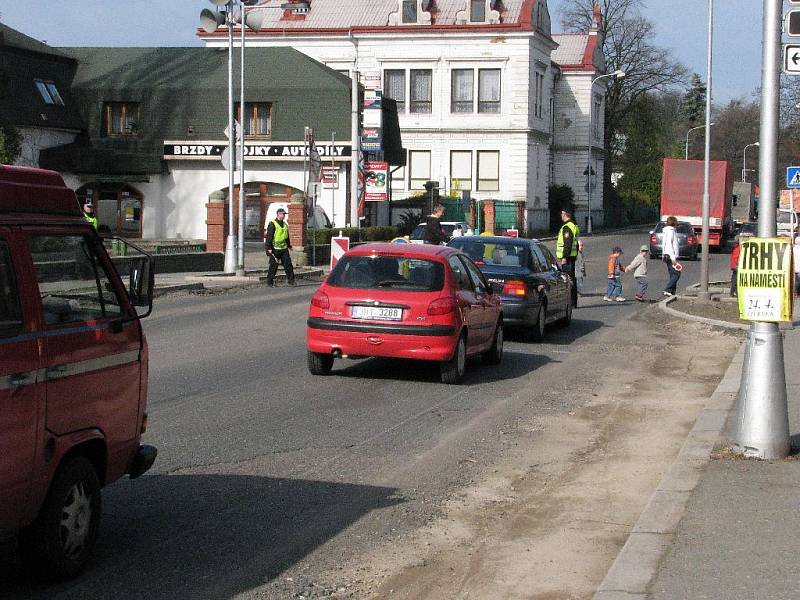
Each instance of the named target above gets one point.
<point>265,470</point>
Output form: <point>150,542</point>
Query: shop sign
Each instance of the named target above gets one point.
<point>376,177</point>
<point>252,151</point>
<point>371,80</point>
<point>330,177</point>
<point>764,280</point>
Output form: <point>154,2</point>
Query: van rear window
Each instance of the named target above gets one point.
<point>387,272</point>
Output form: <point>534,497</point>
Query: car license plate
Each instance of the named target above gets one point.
<point>378,313</point>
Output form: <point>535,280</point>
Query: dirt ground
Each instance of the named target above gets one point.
<point>721,310</point>
<point>547,522</point>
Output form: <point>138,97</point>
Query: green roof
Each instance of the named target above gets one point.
<point>14,39</point>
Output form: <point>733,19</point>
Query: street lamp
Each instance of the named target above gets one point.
<point>686,153</point>
<point>234,11</point>
<point>703,293</point>
<point>744,161</point>
<point>617,73</point>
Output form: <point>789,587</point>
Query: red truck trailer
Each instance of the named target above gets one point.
<point>682,196</point>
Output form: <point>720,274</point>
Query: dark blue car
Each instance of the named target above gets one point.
<point>532,288</point>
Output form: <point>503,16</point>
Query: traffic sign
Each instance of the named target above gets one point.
<point>237,128</point>
<point>791,59</point>
<point>225,157</point>
<point>339,245</point>
<point>793,177</point>
<point>793,23</point>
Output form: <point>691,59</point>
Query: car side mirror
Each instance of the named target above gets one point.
<point>141,281</point>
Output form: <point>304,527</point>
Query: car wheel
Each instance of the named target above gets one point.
<point>319,364</point>
<point>536,333</point>
<point>567,318</point>
<point>452,371</point>
<point>60,541</point>
<point>494,355</point>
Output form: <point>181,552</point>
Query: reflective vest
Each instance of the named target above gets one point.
<point>92,220</point>
<point>280,241</point>
<point>573,252</point>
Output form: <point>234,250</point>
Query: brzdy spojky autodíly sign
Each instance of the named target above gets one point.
<point>764,280</point>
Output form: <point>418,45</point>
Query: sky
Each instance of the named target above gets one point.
<point>680,28</point>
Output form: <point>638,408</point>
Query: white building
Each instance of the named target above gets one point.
<point>487,100</point>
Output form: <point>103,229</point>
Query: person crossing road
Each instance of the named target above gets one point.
<point>278,244</point>
<point>567,250</point>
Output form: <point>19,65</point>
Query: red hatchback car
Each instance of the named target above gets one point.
<point>405,301</point>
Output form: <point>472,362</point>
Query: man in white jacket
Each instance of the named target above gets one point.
<point>670,254</point>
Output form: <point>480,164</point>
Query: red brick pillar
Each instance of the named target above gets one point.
<point>216,227</point>
<point>521,224</point>
<point>297,232</point>
<point>488,216</point>
<point>473,215</point>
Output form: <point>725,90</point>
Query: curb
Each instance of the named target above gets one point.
<point>663,305</point>
<point>178,287</point>
<point>637,564</point>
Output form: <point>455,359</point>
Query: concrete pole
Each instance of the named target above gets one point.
<point>703,294</point>
<point>762,419</point>
<point>230,245</point>
<point>355,142</point>
<point>589,162</point>
<point>240,262</point>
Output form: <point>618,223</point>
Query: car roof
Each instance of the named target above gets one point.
<point>29,191</point>
<point>408,250</point>
<point>495,239</point>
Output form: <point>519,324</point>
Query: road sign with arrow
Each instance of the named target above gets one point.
<point>791,59</point>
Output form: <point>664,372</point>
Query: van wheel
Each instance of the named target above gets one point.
<point>61,539</point>
<point>452,371</point>
<point>494,355</point>
<point>320,364</point>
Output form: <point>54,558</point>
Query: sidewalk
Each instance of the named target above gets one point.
<point>718,526</point>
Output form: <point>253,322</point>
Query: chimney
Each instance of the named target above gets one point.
<point>597,19</point>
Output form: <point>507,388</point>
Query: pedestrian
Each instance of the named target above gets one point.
<point>615,269</point>
<point>796,259</point>
<point>433,232</point>
<point>457,231</point>
<point>734,265</point>
<point>278,244</point>
<point>88,214</point>
<point>567,250</point>
<point>580,268</point>
<point>639,267</point>
<point>670,254</point>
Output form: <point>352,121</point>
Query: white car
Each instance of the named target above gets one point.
<point>787,222</point>
<point>448,226</point>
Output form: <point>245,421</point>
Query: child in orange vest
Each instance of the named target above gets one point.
<point>615,269</point>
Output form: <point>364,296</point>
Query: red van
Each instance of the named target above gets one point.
<point>73,371</point>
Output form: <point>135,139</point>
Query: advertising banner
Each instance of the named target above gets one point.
<point>377,177</point>
<point>765,280</point>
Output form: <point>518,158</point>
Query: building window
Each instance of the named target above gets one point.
<point>461,93</point>
<point>394,86</point>
<point>421,90</point>
<point>597,106</point>
<point>489,90</point>
<point>49,92</point>
<point>538,94</point>
<point>419,168</point>
<point>488,170</point>
<point>121,118</point>
<point>461,170</point>
<point>257,119</point>
<point>477,11</point>
<point>409,11</point>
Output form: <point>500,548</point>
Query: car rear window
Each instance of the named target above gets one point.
<point>387,272</point>
<point>417,233</point>
<point>500,254</point>
<point>659,227</point>
<point>685,228</point>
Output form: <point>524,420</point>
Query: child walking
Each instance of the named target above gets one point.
<point>639,267</point>
<point>615,269</point>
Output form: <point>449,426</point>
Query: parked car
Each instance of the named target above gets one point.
<point>749,229</point>
<point>73,371</point>
<point>688,243</point>
<point>524,273</point>
<point>447,226</point>
<point>421,302</point>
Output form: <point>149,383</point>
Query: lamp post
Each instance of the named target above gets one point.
<point>703,293</point>
<point>686,151</point>
<point>617,73</point>
<point>744,160</point>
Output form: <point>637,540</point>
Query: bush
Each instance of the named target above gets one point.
<point>321,237</point>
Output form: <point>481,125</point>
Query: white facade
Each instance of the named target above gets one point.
<point>36,139</point>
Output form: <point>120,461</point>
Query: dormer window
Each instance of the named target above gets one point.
<point>409,11</point>
<point>477,11</point>
<point>49,92</point>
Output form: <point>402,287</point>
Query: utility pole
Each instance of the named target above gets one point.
<point>762,419</point>
<point>703,293</point>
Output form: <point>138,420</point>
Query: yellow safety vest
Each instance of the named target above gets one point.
<point>280,240</point>
<point>560,242</point>
<point>92,220</point>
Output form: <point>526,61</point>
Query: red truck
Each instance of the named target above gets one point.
<point>682,196</point>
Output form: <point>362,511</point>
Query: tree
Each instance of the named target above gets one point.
<point>10,144</point>
<point>628,46</point>
<point>693,107</point>
<point>735,126</point>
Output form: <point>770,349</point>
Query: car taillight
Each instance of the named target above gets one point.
<point>691,240</point>
<point>515,288</point>
<point>320,300</point>
<point>653,239</point>
<point>442,306</point>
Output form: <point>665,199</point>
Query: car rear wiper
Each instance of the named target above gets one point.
<point>392,282</point>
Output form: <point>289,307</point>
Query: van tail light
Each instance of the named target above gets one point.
<point>653,239</point>
<point>442,306</point>
<point>515,287</point>
<point>320,300</point>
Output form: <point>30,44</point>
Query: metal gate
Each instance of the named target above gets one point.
<point>453,209</point>
<point>505,214</point>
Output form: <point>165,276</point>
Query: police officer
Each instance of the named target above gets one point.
<point>567,250</point>
<point>277,244</point>
<point>88,215</point>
